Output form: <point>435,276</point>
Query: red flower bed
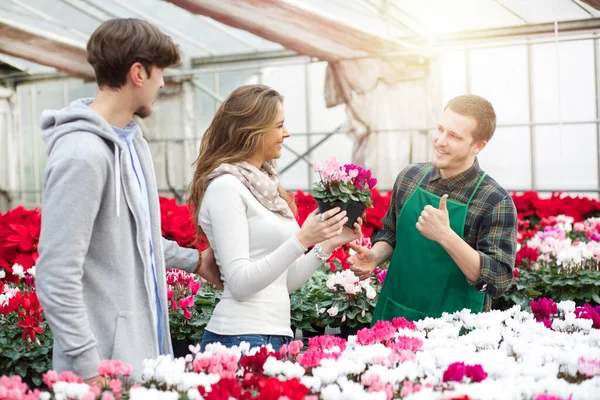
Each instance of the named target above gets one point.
<point>20,230</point>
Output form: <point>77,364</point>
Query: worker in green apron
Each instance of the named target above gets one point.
<point>450,232</point>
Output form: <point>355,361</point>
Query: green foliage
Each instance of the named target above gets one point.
<point>306,299</point>
<point>582,287</point>
<point>339,191</point>
<point>192,329</point>
<point>23,357</point>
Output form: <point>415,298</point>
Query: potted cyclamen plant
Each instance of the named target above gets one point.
<point>346,186</point>
<point>349,302</point>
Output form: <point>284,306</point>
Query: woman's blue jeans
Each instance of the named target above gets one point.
<point>234,340</point>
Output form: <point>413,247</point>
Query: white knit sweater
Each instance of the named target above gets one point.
<point>260,258</point>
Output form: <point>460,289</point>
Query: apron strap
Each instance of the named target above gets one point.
<point>476,187</point>
<point>424,175</point>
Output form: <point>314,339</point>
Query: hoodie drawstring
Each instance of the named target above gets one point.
<point>117,180</point>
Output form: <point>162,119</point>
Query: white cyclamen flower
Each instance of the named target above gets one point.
<point>18,270</point>
<point>371,293</point>
<point>4,298</point>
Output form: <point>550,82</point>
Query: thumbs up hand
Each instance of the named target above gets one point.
<point>434,223</point>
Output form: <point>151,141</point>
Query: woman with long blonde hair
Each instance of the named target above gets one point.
<point>249,220</point>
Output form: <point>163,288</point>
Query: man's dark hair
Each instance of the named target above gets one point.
<point>117,44</point>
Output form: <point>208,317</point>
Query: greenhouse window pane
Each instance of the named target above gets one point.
<point>500,75</point>
<point>289,81</point>
<point>78,89</point>
<point>575,99</point>
<point>513,172</point>
<point>322,119</point>
<point>566,157</point>
<point>453,75</point>
<point>206,105</point>
<point>442,16</point>
<point>540,11</point>
<point>231,80</point>
<point>63,12</point>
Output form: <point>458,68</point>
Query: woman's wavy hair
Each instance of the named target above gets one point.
<point>234,135</point>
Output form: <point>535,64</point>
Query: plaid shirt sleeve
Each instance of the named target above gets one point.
<point>497,246</point>
<point>388,232</point>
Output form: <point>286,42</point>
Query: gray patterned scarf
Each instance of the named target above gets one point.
<point>262,184</point>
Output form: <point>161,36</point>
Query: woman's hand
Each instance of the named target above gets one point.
<point>321,227</point>
<point>346,236</point>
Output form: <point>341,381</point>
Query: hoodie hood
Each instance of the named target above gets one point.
<point>78,117</point>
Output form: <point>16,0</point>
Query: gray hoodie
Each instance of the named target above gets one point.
<point>91,275</point>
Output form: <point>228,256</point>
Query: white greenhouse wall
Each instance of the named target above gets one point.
<point>544,96</point>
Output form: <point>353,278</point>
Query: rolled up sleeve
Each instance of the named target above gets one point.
<point>497,246</point>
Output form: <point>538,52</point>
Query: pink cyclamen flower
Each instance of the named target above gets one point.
<point>295,347</point>
<point>455,372</point>
<point>107,396</point>
<point>589,367</point>
<point>283,350</point>
<point>89,396</point>
<point>476,373</point>
<point>543,308</point>
<point>545,396</point>
<point>186,302</point>
<point>402,322</point>
<point>50,378</point>
<point>116,386</point>
<point>195,286</point>
<point>114,368</point>
<point>409,388</point>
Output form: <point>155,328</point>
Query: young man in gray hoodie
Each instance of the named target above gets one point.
<point>101,271</point>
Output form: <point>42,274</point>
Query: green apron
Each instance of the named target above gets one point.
<point>423,280</point>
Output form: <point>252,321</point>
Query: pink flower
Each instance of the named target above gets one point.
<point>543,308</point>
<point>455,372</point>
<point>114,368</point>
<point>402,322</point>
<point>195,286</point>
<point>116,386</point>
<point>107,396</point>
<point>476,373</point>
<point>295,347</point>
<point>326,342</point>
<point>589,367</point>
<point>589,312</point>
<point>283,350</point>
<point>89,396</point>
<point>409,388</point>
<point>95,391</point>
<point>49,378</point>
<point>186,302</point>
<point>547,323</point>
<point>578,227</point>
<point>381,276</point>
<point>411,344</point>
<point>69,377</point>
<point>545,396</point>
<point>126,370</point>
